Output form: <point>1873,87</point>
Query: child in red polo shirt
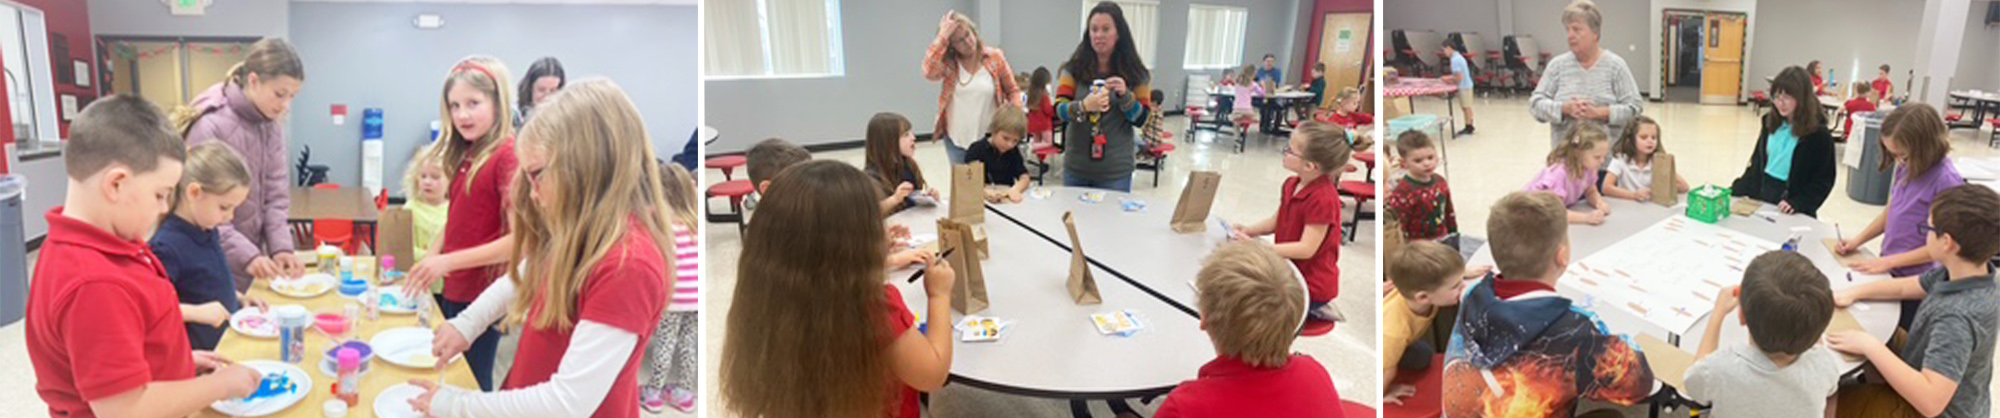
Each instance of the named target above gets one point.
<point>478,145</point>
<point>592,265</point>
<point>1308,221</point>
<point>1250,307</point>
<point>103,325</point>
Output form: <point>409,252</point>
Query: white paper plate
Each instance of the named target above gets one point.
<point>255,323</point>
<point>408,347</point>
<point>271,405</point>
<point>310,285</point>
<point>391,300</point>
<point>394,402</point>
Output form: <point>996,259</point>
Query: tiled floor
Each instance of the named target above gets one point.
<point>1712,144</point>
<point>1249,192</point>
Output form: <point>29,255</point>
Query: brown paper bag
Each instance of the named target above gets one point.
<point>1843,320</point>
<point>1669,363</point>
<point>969,295</point>
<point>393,231</point>
<point>1191,214</point>
<point>968,193</point>
<point>1082,287</point>
<point>1665,191</point>
<point>1860,255</point>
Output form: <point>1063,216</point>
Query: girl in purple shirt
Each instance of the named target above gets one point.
<point>1917,141</point>
<point>1572,172</point>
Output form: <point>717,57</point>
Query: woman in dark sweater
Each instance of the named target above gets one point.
<point>1103,123</point>
<point>1793,165</point>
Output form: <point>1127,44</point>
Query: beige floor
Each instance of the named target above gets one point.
<point>1250,189</point>
<point>1712,144</point>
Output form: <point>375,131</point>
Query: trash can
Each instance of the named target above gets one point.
<point>13,251</point>
<point>1866,181</point>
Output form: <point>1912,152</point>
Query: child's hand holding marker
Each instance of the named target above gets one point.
<point>938,276</point>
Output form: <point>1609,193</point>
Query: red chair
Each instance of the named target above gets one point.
<point>727,164</point>
<point>1995,137</point>
<point>1367,158</point>
<point>1242,132</point>
<point>1315,328</point>
<point>335,232</point>
<point>1156,157</point>
<point>1429,400</point>
<point>1362,192</point>
<point>735,190</point>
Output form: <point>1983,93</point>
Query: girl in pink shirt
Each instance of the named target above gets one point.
<point>1572,172</point>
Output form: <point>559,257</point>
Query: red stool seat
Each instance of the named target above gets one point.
<point>1953,118</point>
<point>1366,157</point>
<point>727,164</point>
<point>1161,149</point>
<point>1315,328</point>
<point>1358,189</point>
<point>1429,400</point>
<point>734,189</point>
<point>1351,409</point>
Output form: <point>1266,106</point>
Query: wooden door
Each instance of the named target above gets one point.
<point>1722,59</point>
<point>1343,46</point>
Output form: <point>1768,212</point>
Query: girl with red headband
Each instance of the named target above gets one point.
<point>477,148</point>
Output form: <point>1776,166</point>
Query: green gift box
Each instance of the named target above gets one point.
<point>1708,203</point>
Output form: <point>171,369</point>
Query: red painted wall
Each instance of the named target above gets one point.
<point>1320,9</point>
<point>71,19</point>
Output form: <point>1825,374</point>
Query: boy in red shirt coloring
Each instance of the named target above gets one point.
<point>103,325</point>
<point>1307,225</point>
<point>1250,307</point>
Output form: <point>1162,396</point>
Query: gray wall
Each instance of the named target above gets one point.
<point>370,55</point>
<point>884,58</point>
<point>1979,57</point>
<point>1838,33</point>
<point>223,18</point>
<point>1624,30</point>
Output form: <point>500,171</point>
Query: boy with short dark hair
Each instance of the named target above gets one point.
<point>1421,199</point>
<point>1250,307</point>
<point>1461,75</point>
<point>770,157</point>
<point>1000,152</point>
<point>1946,365</point>
<point>1786,303</point>
<point>1518,342</point>
<point>104,329</point>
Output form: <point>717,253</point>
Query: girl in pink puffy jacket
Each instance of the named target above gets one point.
<point>243,112</point>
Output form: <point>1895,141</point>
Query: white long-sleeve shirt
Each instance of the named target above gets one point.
<point>597,352</point>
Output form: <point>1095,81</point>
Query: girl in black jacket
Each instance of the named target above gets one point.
<point>1801,176</point>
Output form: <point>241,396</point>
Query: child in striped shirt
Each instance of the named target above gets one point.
<point>670,358</point>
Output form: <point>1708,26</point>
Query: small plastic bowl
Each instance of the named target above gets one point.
<point>335,324</point>
<point>367,354</point>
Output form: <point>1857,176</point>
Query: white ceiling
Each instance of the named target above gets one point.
<point>638,2</point>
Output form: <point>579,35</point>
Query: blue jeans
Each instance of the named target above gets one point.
<point>1122,184</point>
<point>481,355</point>
<point>952,150</point>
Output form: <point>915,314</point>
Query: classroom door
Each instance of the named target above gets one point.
<point>1722,60</point>
<point>1343,46</point>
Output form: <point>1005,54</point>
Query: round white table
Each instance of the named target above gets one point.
<point>1629,217</point>
<point>1138,247</point>
<point>1052,350</point>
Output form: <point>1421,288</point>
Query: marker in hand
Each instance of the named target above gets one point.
<point>920,272</point>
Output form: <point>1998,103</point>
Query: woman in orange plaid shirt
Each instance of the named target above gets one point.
<point>976,81</point>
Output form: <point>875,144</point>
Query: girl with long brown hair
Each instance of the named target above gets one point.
<point>242,112</point>
<point>1793,165</point>
<point>815,331</point>
<point>477,147</point>
<point>590,264</point>
<point>892,161</point>
<point>1103,122</point>
<point>1917,144</point>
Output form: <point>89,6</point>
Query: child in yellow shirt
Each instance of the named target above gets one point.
<point>1426,276</point>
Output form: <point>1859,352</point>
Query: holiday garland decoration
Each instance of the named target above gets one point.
<point>126,51</point>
